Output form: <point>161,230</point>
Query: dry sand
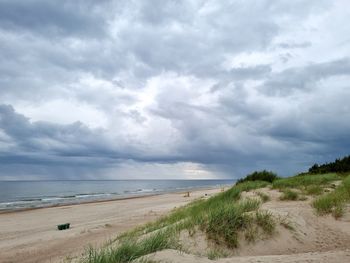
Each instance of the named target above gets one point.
<point>342,256</point>
<point>32,236</point>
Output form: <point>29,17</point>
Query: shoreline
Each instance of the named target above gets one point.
<point>31,235</point>
<point>121,198</point>
<point>10,211</point>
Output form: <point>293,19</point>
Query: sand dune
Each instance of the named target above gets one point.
<point>314,238</point>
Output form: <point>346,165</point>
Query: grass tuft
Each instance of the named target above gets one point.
<point>264,197</point>
<point>314,190</point>
<point>225,223</point>
<point>338,211</point>
<point>289,195</point>
<point>286,223</point>
<point>130,249</point>
<point>251,234</point>
<point>266,221</point>
<point>334,202</point>
<point>216,253</point>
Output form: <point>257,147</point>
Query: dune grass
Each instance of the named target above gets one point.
<point>313,190</point>
<point>225,222</point>
<point>315,184</point>
<point>216,253</point>
<point>304,181</point>
<point>266,221</point>
<point>305,184</point>
<point>264,197</point>
<point>334,202</point>
<point>131,249</point>
<point>221,218</point>
<point>288,194</point>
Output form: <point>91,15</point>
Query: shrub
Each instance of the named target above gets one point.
<point>259,176</point>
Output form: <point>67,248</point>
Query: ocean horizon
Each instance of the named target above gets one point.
<point>16,195</point>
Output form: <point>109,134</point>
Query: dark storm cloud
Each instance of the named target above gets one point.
<point>94,88</point>
<point>74,139</point>
<point>37,142</point>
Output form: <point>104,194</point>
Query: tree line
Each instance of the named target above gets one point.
<point>338,166</point>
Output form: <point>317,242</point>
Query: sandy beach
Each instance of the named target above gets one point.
<point>31,236</point>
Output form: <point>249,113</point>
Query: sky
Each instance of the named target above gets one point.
<point>174,89</point>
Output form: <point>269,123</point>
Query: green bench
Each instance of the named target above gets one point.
<point>63,226</point>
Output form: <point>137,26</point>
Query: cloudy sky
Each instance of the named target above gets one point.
<point>172,89</point>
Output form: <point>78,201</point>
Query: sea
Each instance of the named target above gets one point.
<point>17,195</point>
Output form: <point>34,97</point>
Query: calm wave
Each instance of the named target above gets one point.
<point>31,194</point>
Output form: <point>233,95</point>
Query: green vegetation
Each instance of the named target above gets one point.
<point>227,221</point>
<point>334,202</point>
<point>259,176</point>
<point>289,195</point>
<point>264,197</point>
<point>306,180</point>
<point>306,184</point>
<point>315,185</point>
<point>286,223</point>
<point>131,249</point>
<point>314,190</point>
<point>216,253</point>
<point>265,220</point>
<point>338,166</point>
